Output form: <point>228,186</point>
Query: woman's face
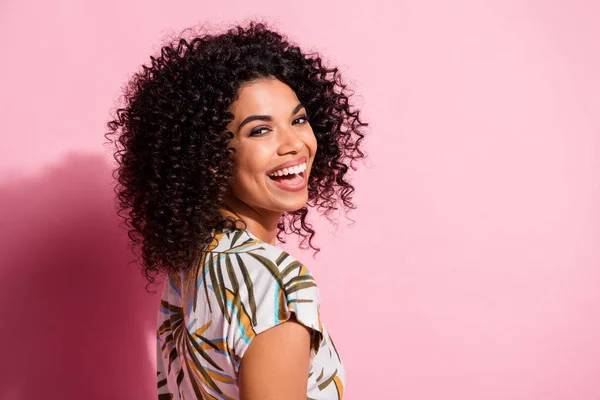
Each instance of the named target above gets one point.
<point>271,132</point>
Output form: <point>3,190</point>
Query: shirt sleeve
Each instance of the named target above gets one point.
<point>271,288</point>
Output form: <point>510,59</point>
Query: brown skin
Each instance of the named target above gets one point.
<point>253,196</point>
<point>275,365</point>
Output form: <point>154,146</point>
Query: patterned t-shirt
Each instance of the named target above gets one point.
<point>209,315</point>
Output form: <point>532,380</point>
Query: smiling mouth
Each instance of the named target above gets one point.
<point>290,178</point>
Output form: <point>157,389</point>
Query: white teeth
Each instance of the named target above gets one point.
<point>292,170</point>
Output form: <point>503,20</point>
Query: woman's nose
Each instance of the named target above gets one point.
<point>290,141</point>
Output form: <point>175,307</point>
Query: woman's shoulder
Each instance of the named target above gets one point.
<point>264,283</point>
<point>243,248</point>
<point>242,241</point>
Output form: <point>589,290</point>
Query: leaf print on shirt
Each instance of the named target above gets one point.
<point>210,314</point>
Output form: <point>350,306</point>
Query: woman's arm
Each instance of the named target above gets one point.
<point>275,365</point>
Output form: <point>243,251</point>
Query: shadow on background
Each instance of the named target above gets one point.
<point>76,321</point>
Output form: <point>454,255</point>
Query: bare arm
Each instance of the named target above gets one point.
<point>275,365</point>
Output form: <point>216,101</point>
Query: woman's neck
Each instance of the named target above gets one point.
<point>261,223</point>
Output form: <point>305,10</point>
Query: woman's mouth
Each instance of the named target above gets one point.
<point>290,182</point>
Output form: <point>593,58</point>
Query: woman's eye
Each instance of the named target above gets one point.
<point>257,132</point>
<point>302,117</point>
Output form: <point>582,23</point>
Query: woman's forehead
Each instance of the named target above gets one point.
<point>264,95</point>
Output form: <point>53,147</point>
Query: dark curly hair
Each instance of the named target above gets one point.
<point>171,130</point>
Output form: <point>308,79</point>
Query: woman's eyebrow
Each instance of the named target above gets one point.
<point>268,117</point>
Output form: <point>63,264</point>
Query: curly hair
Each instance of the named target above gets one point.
<point>171,130</point>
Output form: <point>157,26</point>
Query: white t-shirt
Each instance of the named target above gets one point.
<point>209,315</point>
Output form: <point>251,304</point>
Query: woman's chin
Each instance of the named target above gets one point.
<point>292,204</point>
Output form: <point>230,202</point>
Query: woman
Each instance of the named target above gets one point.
<point>223,143</point>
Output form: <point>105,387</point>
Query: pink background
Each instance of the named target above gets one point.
<point>472,271</point>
